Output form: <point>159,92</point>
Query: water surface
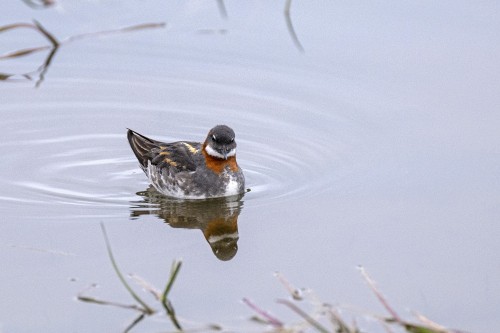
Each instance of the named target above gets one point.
<point>376,146</point>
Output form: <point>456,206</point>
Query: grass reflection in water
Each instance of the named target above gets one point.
<point>55,44</point>
<point>38,75</point>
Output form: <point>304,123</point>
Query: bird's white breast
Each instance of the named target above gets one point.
<point>232,187</point>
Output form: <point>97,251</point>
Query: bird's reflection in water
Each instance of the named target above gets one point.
<point>217,218</point>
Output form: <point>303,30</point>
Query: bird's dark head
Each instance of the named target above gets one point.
<point>220,142</point>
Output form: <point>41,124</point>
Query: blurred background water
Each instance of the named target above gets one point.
<point>372,139</point>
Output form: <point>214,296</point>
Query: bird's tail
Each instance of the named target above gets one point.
<point>141,146</point>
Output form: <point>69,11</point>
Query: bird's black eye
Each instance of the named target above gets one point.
<point>232,139</point>
<point>214,138</point>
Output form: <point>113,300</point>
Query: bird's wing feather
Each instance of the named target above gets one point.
<point>179,155</point>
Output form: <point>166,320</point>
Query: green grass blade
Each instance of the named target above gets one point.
<point>146,308</point>
<point>176,266</point>
<point>135,322</point>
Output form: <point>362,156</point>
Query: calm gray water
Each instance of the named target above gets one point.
<point>378,145</point>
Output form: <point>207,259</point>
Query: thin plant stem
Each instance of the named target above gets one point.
<point>270,319</point>
<point>294,292</point>
<point>222,9</point>
<point>87,299</point>
<point>56,44</point>
<point>47,34</point>
<point>135,322</point>
<point>335,318</point>
<point>115,31</point>
<point>171,314</point>
<point>176,266</point>
<point>290,27</point>
<point>304,315</point>
<point>146,308</point>
<point>379,295</point>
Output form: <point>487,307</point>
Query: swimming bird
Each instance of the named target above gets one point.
<point>191,170</point>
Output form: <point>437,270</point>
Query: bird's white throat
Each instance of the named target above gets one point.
<point>212,152</point>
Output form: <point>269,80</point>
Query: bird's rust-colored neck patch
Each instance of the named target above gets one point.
<point>217,165</point>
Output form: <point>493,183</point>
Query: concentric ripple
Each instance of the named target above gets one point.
<point>71,152</point>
